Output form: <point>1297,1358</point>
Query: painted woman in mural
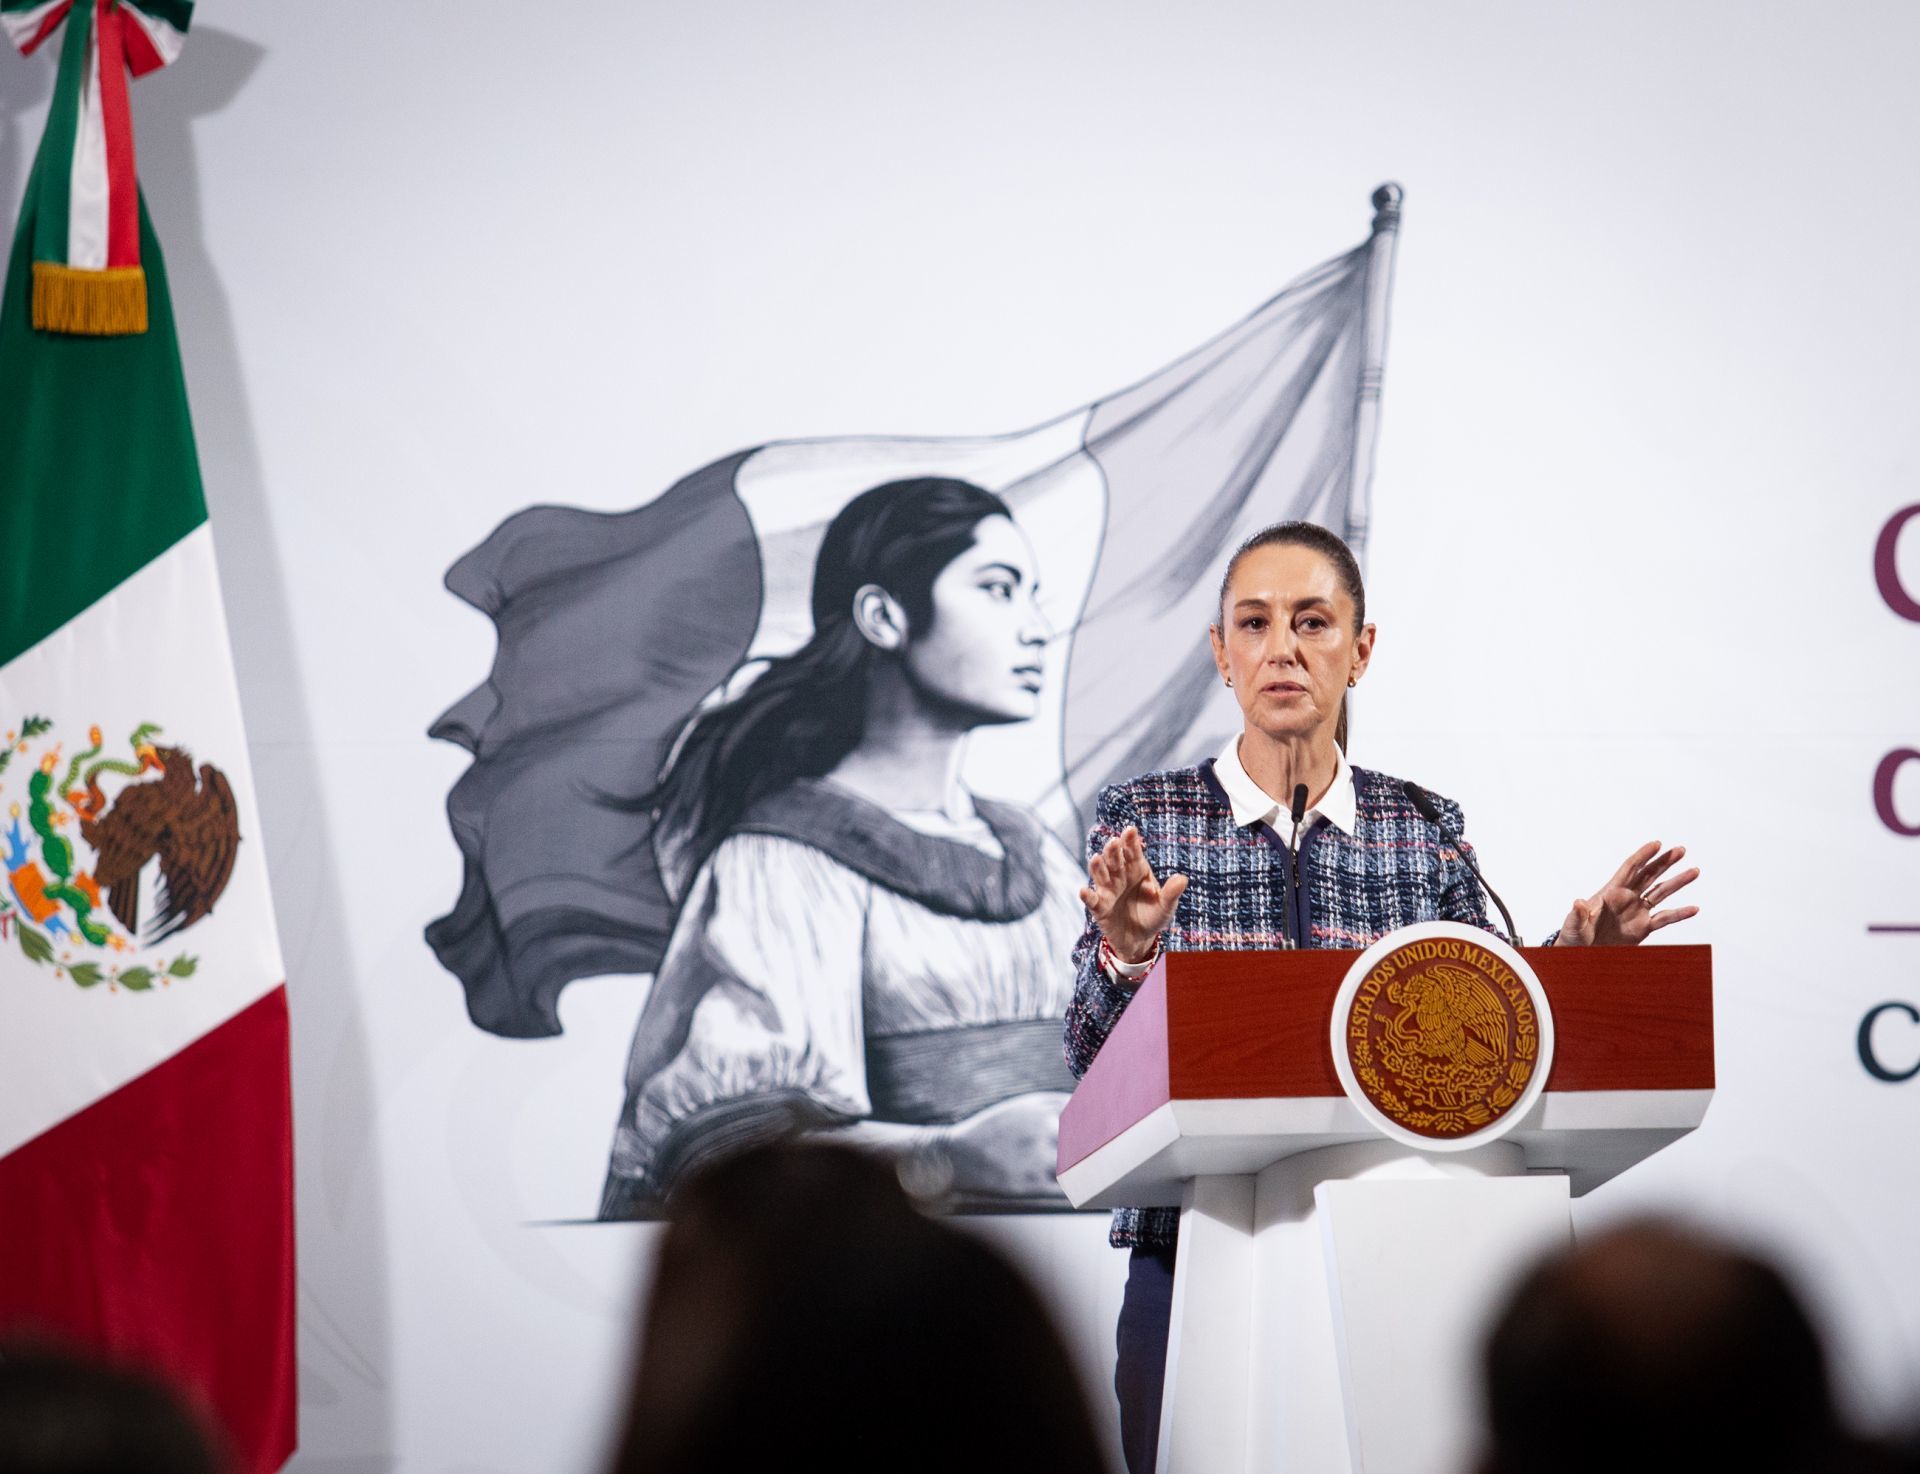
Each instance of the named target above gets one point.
<point>862,945</point>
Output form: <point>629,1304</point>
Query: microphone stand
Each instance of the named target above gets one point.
<point>1430,811</point>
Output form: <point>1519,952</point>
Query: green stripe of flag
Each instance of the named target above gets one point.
<point>98,473</point>
<point>176,13</point>
<point>50,187</point>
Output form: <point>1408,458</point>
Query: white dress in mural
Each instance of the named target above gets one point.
<point>835,963</point>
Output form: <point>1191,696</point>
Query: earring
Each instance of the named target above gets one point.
<point>1229,681</point>
<point>1351,683</point>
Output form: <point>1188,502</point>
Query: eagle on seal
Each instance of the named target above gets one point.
<point>1456,1014</point>
<point>188,822</point>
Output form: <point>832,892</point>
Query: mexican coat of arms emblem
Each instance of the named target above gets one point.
<point>110,852</point>
<point>1442,1035</point>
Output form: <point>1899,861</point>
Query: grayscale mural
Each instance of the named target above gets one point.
<point>805,744</point>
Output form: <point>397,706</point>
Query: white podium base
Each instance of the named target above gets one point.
<point>1327,1312</point>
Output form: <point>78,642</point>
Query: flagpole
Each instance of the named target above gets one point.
<point>1366,410</point>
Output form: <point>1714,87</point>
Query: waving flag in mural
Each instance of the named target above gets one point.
<point>146,1193</point>
<point>689,761</point>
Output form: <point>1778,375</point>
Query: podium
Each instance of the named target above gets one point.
<point>1332,1282</point>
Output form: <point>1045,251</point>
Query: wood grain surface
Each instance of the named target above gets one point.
<point>1248,1025</point>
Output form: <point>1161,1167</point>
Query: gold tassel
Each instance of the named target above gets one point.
<point>104,304</point>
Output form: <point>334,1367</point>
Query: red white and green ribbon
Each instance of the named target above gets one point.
<point>87,276</point>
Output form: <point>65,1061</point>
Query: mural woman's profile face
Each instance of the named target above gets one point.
<point>984,656</point>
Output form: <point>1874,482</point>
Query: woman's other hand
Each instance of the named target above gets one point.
<point>1624,912</point>
<point>1127,903</point>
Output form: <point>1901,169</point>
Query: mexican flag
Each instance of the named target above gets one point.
<point>145,1128</point>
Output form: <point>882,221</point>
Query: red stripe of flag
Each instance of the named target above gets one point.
<point>142,55</point>
<point>116,116</point>
<point>156,1227</point>
<point>47,27</point>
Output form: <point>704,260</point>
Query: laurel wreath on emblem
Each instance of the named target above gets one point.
<point>90,920</point>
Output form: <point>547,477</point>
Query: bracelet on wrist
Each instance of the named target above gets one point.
<point>1118,966</point>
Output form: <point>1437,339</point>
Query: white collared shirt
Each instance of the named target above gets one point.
<point>1252,803</point>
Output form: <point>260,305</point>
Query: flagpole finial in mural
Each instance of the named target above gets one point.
<point>1386,206</point>
<point>84,194</point>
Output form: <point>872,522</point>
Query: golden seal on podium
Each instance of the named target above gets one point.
<point>1441,1036</point>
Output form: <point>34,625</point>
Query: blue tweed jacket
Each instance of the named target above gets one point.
<point>1393,870</point>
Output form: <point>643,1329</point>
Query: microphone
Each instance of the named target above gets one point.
<point>1430,811</point>
<point>1298,812</point>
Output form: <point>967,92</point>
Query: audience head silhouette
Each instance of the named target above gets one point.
<point>60,1414</point>
<point>804,1314</point>
<point>1651,1348</point>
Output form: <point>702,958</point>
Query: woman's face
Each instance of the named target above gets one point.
<point>984,657</point>
<point>1288,645</point>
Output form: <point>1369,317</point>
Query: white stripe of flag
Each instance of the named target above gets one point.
<point>154,649</point>
<point>87,195</point>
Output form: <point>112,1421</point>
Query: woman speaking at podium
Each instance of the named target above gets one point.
<point>1198,858</point>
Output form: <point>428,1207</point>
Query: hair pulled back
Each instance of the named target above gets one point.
<point>1331,547</point>
<point>807,711</point>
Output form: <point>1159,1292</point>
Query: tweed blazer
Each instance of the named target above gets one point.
<point>1396,868</point>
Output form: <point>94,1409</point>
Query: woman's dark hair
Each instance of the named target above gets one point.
<point>806,711</point>
<point>805,1315</point>
<point>1330,546</point>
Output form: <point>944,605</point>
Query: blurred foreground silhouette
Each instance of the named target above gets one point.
<point>804,1314</point>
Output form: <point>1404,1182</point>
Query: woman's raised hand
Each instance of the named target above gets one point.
<point>1127,903</point>
<point>1625,911</point>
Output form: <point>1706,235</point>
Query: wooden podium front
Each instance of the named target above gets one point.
<point>1331,1283</point>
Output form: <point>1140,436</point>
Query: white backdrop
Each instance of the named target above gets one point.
<point>1649,400</point>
